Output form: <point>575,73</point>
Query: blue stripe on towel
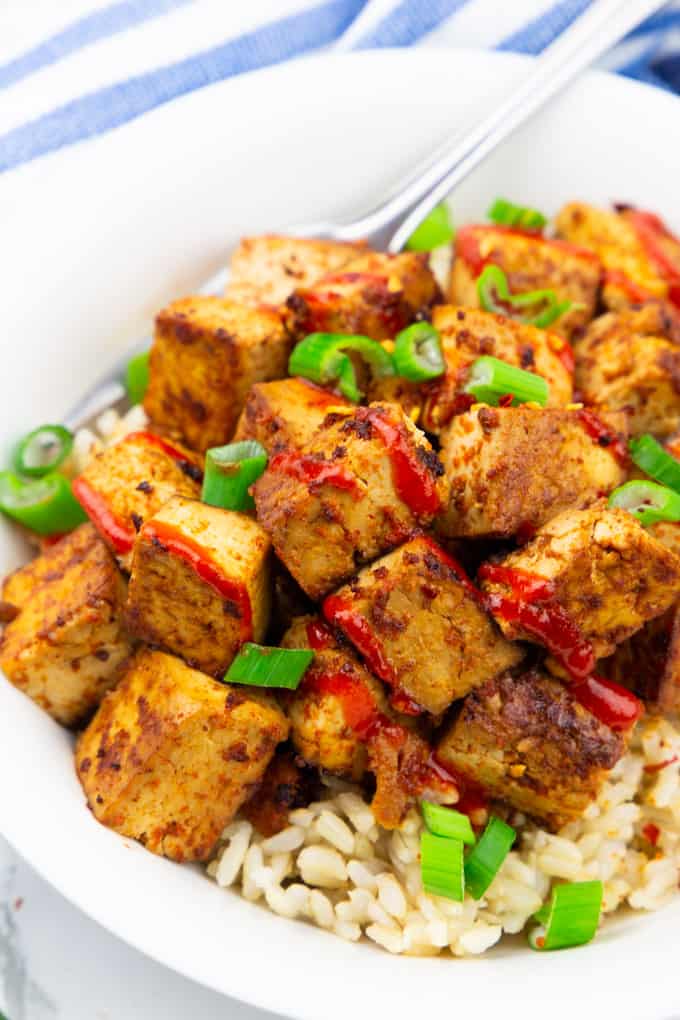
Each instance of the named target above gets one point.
<point>87,30</point>
<point>114,105</point>
<point>539,33</point>
<point>408,22</point>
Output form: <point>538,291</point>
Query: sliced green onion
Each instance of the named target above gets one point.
<point>489,379</point>
<point>494,296</point>
<point>441,866</point>
<point>650,455</point>
<point>486,857</point>
<point>137,377</point>
<point>46,505</point>
<point>570,918</point>
<point>507,214</point>
<point>647,501</point>
<point>321,358</point>
<point>259,666</point>
<point>42,450</point>
<point>444,821</point>
<point>229,471</point>
<point>435,230</point>
<point>418,353</point>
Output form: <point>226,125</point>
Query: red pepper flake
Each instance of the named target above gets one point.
<point>659,766</point>
<point>506,399</point>
<point>651,832</point>
<point>603,435</point>
<point>120,536</point>
<point>313,470</point>
<point>191,552</point>
<point>415,478</point>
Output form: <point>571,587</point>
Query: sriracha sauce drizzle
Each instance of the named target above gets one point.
<point>413,479</point>
<point>649,229</point>
<point>532,605</point>
<point>468,244</point>
<point>603,435</point>
<point>313,470</point>
<point>341,613</point>
<point>187,549</point>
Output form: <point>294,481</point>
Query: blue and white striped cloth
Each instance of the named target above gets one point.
<point>89,68</point>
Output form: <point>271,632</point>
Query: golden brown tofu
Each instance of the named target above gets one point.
<point>207,353</point>
<point>513,468</point>
<point>603,570</point>
<point>419,625</point>
<point>285,413</point>
<point>467,334</point>
<point>171,755</point>
<point>128,482</point>
<point>649,663</point>
<point>267,269</point>
<point>341,721</point>
<point>630,361</point>
<point>65,647</point>
<point>200,583</point>
<point>530,262</point>
<point>526,740</point>
<point>365,481</point>
<point>625,239</point>
<point>375,295</point>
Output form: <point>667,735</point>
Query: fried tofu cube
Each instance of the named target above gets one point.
<point>341,721</point>
<point>128,482</point>
<point>630,361</point>
<point>172,754</point>
<point>200,583</point>
<point>375,295</point>
<point>625,240</point>
<point>207,353</point>
<point>267,269</point>
<point>285,413</point>
<point>526,740</point>
<point>530,262</point>
<point>365,481</point>
<point>514,468</point>
<point>467,334</point>
<point>420,626</point>
<point>649,663</point>
<point>603,569</point>
<point>287,784</point>
<point>65,647</point>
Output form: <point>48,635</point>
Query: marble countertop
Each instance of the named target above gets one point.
<point>57,964</point>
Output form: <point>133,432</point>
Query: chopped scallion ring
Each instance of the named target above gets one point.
<point>418,353</point>
<point>45,505</point>
<point>658,463</point>
<point>229,471</point>
<point>444,821</point>
<point>259,666</point>
<point>441,866</point>
<point>485,859</point>
<point>42,451</point>
<point>435,230</point>
<point>507,214</point>
<point>490,379</point>
<point>570,919</point>
<point>494,295</point>
<point>321,357</point>
<point>647,501</point>
<point>137,377</point>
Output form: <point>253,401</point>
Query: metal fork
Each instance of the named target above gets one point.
<point>390,224</point>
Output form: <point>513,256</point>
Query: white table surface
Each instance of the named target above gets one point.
<point>57,964</point>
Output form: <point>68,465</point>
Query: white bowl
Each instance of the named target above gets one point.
<point>97,239</point>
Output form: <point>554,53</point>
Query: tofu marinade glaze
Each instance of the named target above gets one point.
<point>420,684</point>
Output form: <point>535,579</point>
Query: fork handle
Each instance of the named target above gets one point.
<point>595,31</point>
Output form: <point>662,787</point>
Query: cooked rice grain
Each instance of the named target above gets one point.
<point>334,866</point>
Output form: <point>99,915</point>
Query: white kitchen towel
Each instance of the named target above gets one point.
<point>73,70</point>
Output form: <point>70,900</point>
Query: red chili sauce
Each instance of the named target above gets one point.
<point>473,798</point>
<point>414,479</point>
<point>319,636</point>
<point>341,613</point>
<point>634,292</point>
<point>190,551</point>
<point>313,470</point>
<point>650,229</point>
<point>121,536</point>
<point>532,605</point>
<point>468,248</point>
<point>603,435</point>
